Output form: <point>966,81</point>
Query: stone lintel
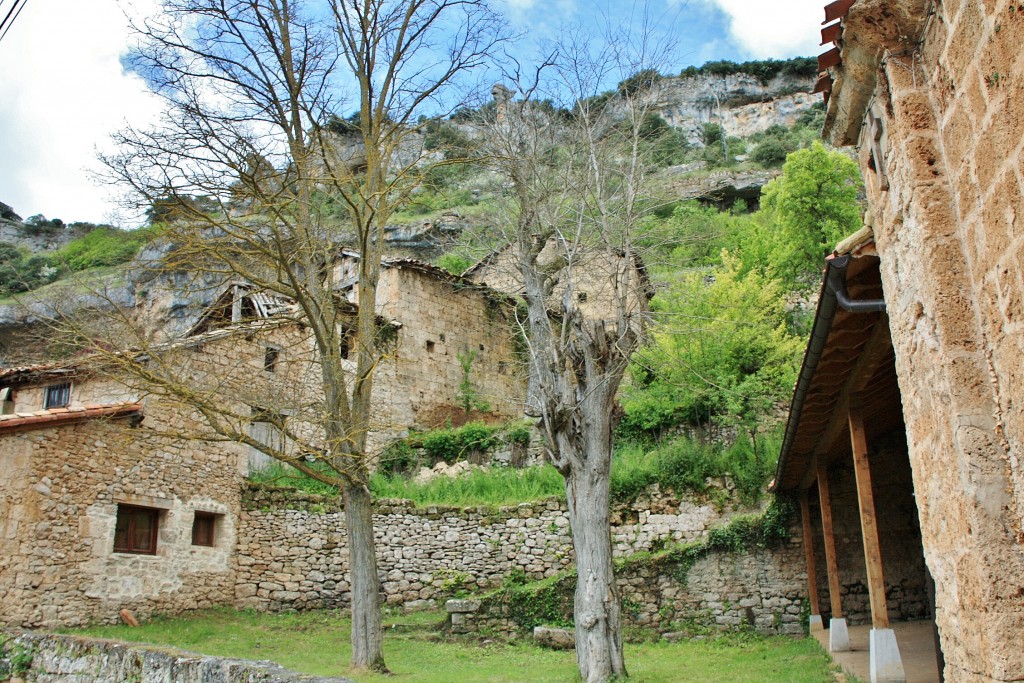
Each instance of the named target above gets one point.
<point>145,501</point>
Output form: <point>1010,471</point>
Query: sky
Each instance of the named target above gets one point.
<point>64,91</point>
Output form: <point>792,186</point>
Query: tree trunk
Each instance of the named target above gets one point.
<point>367,634</point>
<point>597,612</point>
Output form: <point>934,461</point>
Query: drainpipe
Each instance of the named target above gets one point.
<point>837,284</point>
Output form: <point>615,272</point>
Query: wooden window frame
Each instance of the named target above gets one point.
<point>203,518</point>
<point>154,529</point>
<point>65,392</point>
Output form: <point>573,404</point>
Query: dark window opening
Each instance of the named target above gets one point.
<point>581,296</point>
<point>136,529</point>
<point>430,346</point>
<point>502,367</point>
<point>442,337</point>
<point>57,396</point>
<point>203,525</point>
<point>270,356</point>
<point>481,347</point>
<point>346,345</point>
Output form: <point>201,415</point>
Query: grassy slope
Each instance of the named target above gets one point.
<point>318,643</point>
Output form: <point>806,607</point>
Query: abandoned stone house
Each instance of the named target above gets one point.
<point>905,439</point>
<point>112,496</point>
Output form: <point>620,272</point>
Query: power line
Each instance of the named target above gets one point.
<point>10,17</point>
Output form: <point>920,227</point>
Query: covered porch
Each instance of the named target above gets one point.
<point>845,459</point>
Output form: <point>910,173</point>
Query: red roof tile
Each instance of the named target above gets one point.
<point>58,417</point>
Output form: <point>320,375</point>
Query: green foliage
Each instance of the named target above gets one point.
<point>101,247</point>
<point>541,603</point>
<point>640,82</point>
<point>452,445</point>
<point>20,272</point>
<point>280,474</point>
<point>685,464</point>
<point>764,70</point>
<point>809,208</point>
<point>468,396</point>
<point>492,487</point>
<point>722,353</point>
<point>456,264</point>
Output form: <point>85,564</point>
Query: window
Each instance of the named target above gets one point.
<point>57,396</point>
<point>135,531</point>
<point>430,346</point>
<point>203,525</point>
<point>270,356</point>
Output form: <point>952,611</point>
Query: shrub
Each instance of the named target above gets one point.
<point>452,445</point>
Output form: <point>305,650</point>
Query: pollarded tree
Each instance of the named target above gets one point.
<point>577,184</point>
<point>250,88</point>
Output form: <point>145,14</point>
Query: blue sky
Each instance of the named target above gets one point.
<point>64,90</point>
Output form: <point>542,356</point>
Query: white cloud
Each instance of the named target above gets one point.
<point>63,93</point>
<point>775,28</point>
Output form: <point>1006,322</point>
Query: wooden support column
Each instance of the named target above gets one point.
<point>886,663</point>
<point>812,574</point>
<point>839,637</point>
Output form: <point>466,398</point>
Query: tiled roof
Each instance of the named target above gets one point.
<point>7,374</point>
<point>57,417</point>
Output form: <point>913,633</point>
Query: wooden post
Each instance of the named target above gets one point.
<point>868,520</point>
<point>812,574</point>
<point>885,661</point>
<point>831,564</point>
<point>838,633</point>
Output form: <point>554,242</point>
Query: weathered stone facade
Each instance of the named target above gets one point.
<point>59,500</point>
<point>941,87</point>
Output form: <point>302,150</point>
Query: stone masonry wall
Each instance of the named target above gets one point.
<point>950,235</point>
<point>292,550</point>
<point>764,590</point>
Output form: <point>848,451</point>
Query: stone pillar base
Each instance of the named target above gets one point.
<point>815,623</point>
<point>838,636</point>
<point>886,664</point>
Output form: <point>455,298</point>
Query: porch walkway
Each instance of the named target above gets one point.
<point>917,649</point>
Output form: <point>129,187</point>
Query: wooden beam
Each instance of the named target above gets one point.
<point>868,519</point>
<point>831,563</point>
<point>871,356</point>
<point>812,574</point>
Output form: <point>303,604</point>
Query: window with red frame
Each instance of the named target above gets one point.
<point>136,530</point>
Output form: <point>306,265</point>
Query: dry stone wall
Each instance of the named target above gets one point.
<point>292,551</point>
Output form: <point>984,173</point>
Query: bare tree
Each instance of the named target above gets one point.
<point>577,179</point>
<point>251,88</point>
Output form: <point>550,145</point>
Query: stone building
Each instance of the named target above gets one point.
<point>912,379</point>
<point>114,496</point>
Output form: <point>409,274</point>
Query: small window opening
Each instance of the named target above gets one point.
<point>430,346</point>
<point>502,367</point>
<point>270,358</point>
<point>57,396</point>
<point>581,296</point>
<point>203,526</point>
<point>481,347</point>
<point>346,346</point>
<point>442,337</point>
<point>136,530</point>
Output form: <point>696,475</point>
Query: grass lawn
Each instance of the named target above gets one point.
<point>317,643</point>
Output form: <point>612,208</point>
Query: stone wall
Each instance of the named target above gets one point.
<point>292,550</point>
<point>63,659</point>
<point>898,530</point>
<point>763,590</point>
<point>948,218</point>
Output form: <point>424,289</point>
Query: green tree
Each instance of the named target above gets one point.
<point>809,208</point>
<point>721,353</point>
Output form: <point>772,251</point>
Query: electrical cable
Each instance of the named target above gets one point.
<point>12,15</point>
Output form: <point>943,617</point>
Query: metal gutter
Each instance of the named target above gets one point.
<point>833,296</point>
